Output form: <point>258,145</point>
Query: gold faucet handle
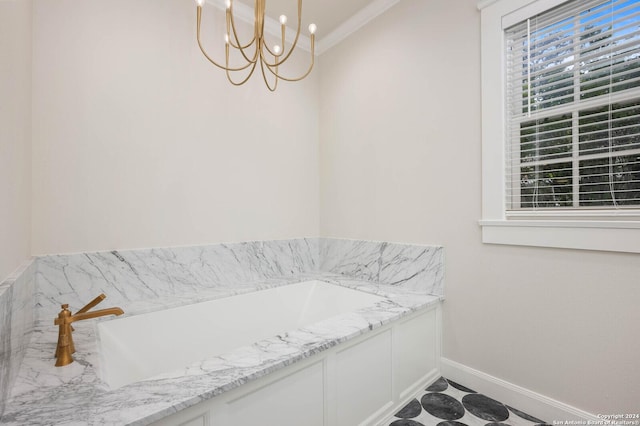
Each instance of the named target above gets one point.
<point>63,313</point>
<point>91,304</point>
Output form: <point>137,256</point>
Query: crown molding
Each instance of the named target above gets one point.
<point>245,13</point>
<point>353,24</point>
<point>484,3</point>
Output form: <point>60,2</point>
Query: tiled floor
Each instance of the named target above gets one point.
<point>446,403</point>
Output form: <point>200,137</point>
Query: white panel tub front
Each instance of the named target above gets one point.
<point>417,350</point>
<point>363,380</point>
<point>297,399</point>
<point>356,383</point>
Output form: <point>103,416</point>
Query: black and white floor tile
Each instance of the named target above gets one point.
<point>446,403</point>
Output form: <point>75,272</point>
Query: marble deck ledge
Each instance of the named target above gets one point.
<point>74,395</point>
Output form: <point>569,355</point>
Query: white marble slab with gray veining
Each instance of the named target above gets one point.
<point>133,275</point>
<point>410,277</point>
<point>16,324</point>
<point>416,268</point>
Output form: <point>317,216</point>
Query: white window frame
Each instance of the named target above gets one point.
<point>606,230</point>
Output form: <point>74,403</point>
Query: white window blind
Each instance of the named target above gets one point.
<point>573,108</point>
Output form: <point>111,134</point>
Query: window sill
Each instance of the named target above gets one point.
<point>618,236</point>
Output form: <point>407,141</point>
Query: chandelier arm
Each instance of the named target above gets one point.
<point>249,61</point>
<point>284,41</point>
<point>299,78</point>
<point>232,40</point>
<point>199,19</point>
<point>226,57</point>
<point>231,23</point>
<point>238,45</point>
<point>295,40</point>
<point>283,60</point>
<point>266,46</point>
<point>253,68</point>
<point>276,55</point>
<point>264,76</point>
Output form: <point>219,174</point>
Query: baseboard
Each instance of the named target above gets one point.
<point>540,406</point>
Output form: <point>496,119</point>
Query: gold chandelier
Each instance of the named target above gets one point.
<point>257,51</point>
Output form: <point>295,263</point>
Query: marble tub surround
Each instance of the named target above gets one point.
<point>44,394</point>
<point>410,277</point>
<point>415,268</point>
<point>16,324</point>
<point>128,276</point>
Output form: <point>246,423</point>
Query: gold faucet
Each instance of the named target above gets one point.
<point>65,340</point>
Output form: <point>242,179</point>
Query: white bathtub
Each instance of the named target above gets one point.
<point>139,347</point>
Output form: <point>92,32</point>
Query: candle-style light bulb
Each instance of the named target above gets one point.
<point>226,39</point>
<point>200,2</point>
<point>276,49</point>
<point>227,4</point>
<point>313,28</point>
<point>283,19</point>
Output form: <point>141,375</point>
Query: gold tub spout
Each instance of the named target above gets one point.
<point>65,347</point>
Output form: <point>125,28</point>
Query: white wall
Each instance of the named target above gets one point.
<point>15,134</point>
<point>400,161</point>
<point>139,142</point>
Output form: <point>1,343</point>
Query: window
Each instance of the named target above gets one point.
<point>561,146</point>
<point>573,105</point>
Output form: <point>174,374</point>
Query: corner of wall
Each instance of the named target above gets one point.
<point>15,134</point>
